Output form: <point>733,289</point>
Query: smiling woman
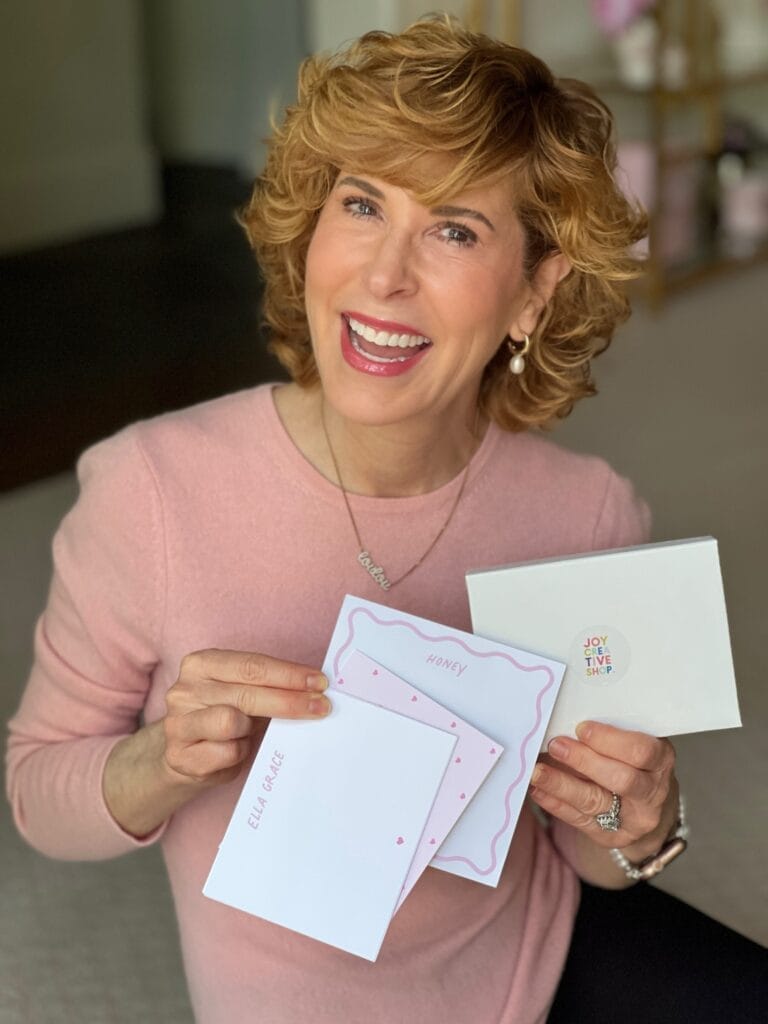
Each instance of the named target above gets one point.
<point>430,113</point>
<point>444,250</point>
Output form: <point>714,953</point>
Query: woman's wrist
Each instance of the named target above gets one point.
<point>140,789</point>
<point>650,844</point>
<point>643,868</point>
<point>596,864</point>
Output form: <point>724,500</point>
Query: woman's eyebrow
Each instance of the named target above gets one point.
<point>439,211</point>
<point>366,186</point>
<point>461,211</point>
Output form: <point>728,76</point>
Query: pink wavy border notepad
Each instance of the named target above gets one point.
<point>473,756</point>
<point>501,690</point>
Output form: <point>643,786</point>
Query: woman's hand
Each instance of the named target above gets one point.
<point>575,781</point>
<point>214,707</point>
<point>215,712</point>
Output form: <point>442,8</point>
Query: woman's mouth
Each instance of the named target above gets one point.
<point>383,353</point>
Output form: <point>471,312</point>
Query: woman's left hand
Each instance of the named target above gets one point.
<point>576,780</point>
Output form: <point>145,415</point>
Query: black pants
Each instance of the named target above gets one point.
<point>643,956</point>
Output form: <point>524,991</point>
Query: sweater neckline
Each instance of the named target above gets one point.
<point>291,461</point>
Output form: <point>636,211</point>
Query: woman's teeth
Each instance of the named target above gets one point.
<point>385,339</point>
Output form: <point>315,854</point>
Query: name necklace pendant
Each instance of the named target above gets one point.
<point>364,558</point>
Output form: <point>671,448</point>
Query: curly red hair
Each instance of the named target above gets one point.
<point>395,106</point>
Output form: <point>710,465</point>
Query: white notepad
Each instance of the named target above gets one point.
<point>329,820</point>
<point>643,630</point>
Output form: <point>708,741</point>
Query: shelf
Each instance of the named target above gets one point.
<point>684,154</point>
<point>708,262</point>
<point>694,91</point>
<point>683,132</point>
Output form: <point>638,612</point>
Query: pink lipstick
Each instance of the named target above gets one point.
<point>393,360</point>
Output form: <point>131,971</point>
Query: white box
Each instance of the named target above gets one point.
<point>643,631</point>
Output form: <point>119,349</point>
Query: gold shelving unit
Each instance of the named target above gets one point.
<point>703,92</point>
<point>500,19</point>
<point>692,26</point>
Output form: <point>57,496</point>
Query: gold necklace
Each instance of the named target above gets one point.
<point>376,572</point>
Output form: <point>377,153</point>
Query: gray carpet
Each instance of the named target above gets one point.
<point>683,412</point>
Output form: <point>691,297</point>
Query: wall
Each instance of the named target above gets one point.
<point>98,94</point>
<point>331,22</point>
<point>215,71</point>
<point>76,155</point>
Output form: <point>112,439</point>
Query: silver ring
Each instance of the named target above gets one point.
<point>610,821</point>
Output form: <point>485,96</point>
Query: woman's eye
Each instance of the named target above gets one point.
<point>456,234</point>
<point>359,207</point>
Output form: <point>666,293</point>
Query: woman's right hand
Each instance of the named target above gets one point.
<point>215,713</point>
<point>217,705</point>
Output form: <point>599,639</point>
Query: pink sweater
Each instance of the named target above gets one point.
<point>208,528</point>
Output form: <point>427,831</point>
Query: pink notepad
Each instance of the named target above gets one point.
<point>473,756</point>
<point>503,691</point>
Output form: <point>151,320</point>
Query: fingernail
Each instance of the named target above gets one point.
<point>584,730</point>
<point>539,774</point>
<point>559,749</point>
<point>319,705</point>
<point>319,683</point>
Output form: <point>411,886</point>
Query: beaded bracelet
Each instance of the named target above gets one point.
<point>653,865</point>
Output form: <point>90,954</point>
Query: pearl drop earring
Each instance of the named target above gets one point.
<point>519,350</point>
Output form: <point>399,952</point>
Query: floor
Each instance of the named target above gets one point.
<point>682,410</point>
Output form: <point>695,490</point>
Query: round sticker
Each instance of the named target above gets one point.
<point>600,655</point>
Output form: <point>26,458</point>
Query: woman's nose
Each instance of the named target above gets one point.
<point>391,269</point>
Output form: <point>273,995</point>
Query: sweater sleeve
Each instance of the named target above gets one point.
<point>624,520</point>
<point>95,647</point>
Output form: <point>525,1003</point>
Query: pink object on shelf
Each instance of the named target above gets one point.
<point>615,15</point>
<point>744,208</point>
<point>636,177</point>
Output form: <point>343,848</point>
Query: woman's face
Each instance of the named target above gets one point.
<point>406,305</point>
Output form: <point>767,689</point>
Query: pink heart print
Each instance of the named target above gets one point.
<point>432,842</point>
<point>414,698</point>
<point>400,840</point>
<point>375,671</point>
<point>457,761</point>
<point>340,682</point>
<point>462,796</point>
<point>453,725</point>
<point>493,750</point>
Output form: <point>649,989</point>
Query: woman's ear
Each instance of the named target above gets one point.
<point>546,278</point>
<point>550,273</point>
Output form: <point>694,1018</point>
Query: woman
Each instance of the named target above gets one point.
<point>443,248</point>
